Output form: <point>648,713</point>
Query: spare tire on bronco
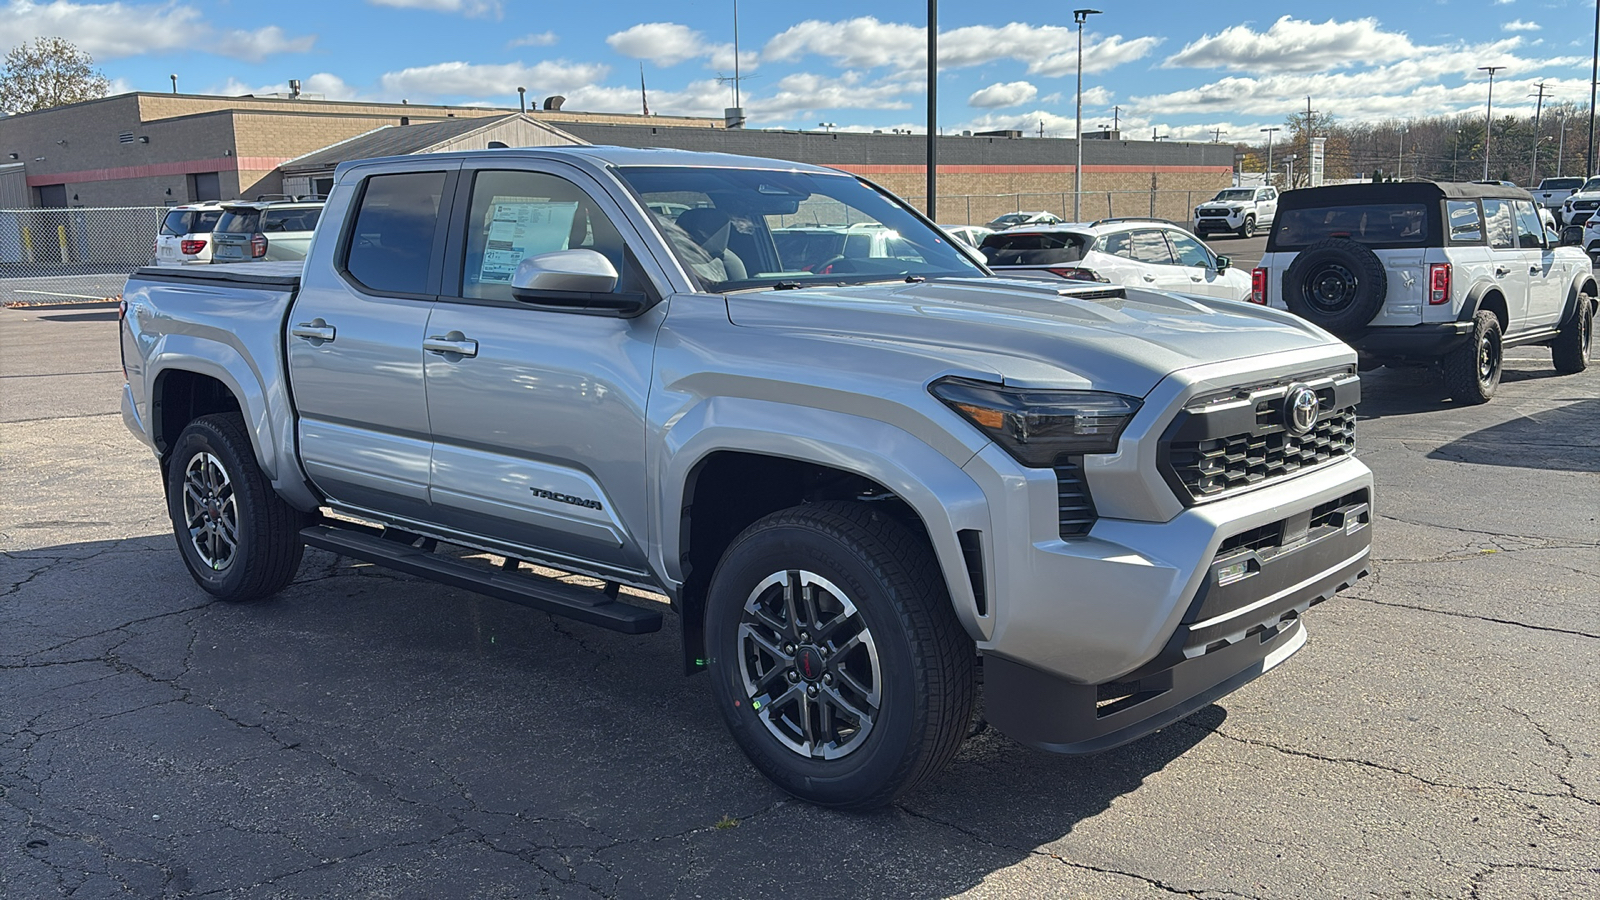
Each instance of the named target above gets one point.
<point>1336,283</point>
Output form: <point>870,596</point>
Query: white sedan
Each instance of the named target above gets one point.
<point>1130,252</point>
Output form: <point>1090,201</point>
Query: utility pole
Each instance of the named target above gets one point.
<point>1269,132</point>
<point>1561,143</point>
<point>1538,106</point>
<point>1488,114</point>
<point>1308,124</point>
<point>1116,119</point>
<point>1455,152</point>
<point>1079,16</point>
<point>1594,75</point>
<point>1216,135</point>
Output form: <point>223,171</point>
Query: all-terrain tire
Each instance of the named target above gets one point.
<point>1472,372</point>
<point>827,608</point>
<point>239,540</point>
<point>1336,283</point>
<point>1572,347</point>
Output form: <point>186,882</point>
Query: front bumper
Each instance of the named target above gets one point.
<point>1244,619</point>
<point>1231,222</point>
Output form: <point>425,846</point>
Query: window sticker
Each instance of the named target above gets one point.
<point>520,228</point>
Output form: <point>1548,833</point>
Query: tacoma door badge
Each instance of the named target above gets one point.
<point>1300,409</point>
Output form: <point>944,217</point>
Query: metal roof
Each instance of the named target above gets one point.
<point>625,157</point>
<point>1395,192</point>
<point>392,140</point>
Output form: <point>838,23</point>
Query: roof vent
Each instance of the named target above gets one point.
<point>733,117</point>
<point>554,102</point>
<point>498,145</point>
<point>294,88</point>
<point>405,120</point>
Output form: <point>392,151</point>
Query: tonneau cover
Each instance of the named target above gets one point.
<point>285,274</point>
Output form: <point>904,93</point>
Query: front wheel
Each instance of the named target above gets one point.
<point>1472,373</point>
<point>836,659</point>
<point>1571,348</point>
<point>1248,229</point>
<point>239,540</point>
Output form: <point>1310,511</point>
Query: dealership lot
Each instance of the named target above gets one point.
<point>369,734</point>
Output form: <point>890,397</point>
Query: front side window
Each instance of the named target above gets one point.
<point>745,229</point>
<point>1189,251</point>
<point>1530,231</point>
<point>515,215</point>
<point>392,242</point>
<point>1499,224</point>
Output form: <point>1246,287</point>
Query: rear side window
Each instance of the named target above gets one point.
<point>1466,225</point>
<point>1032,249</point>
<point>392,243</point>
<point>1151,247</point>
<point>1499,224</point>
<point>1377,223</point>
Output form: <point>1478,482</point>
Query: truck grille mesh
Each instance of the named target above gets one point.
<point>1076,513</point>
<point>1215,466</point>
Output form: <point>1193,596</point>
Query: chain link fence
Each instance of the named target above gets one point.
<point>980,209</point>
<point>73,255</point>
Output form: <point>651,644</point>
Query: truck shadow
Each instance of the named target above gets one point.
<point>1566,438</point>
<point>377,704</point>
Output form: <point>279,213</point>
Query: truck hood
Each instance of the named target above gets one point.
<point>1034,333</point>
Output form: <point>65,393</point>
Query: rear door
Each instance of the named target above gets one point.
<point>355,340</point>
<point>537,412</point>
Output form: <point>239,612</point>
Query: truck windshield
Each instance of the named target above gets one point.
<point>1237,194</point>
<point>742,229</point>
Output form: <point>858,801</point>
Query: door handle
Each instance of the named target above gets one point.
<point>1194,278</point>
<point>1534,270</point>
<point>1149,278</point>
<point>1500,271</point>
<point>316,331</point>
<point>455,342</point>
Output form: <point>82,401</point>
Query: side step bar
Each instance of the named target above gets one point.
<point>545,594</point>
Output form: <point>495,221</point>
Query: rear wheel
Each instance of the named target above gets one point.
<point>239,540</point>
<point>1472,373</point>
<point>1572,347</point>
<point>836,659</point>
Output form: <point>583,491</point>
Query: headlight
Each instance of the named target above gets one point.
<point>1036,426</point>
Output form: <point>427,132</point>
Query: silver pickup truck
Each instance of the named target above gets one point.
<point>856,480</point>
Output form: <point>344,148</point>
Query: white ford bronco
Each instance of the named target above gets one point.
<point>1431,273</point>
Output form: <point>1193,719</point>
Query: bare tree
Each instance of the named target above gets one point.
<point>49,72</point>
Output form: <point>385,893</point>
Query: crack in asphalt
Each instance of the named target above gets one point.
<point>1044,854</point>
<point>1491,868</point>
<point>1577,544</point>
<point>1568,757</point>
<point>1461,615</point>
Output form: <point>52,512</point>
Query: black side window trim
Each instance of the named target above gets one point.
<point>440,232</point>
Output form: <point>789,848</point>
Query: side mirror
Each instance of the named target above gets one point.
<point>1572,236</point>
<point>1223,263</point>
<point>566,271</point>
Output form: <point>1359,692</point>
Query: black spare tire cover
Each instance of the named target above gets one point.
<point>1337,283</point>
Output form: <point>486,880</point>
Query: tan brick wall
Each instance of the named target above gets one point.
<point>973,199</point>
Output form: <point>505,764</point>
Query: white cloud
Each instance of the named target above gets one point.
<point>116,30</point>
<point>1519,25</point>
<point>1010,93</point>
<point>663,43</point>
<point>543,39</point>
<point>476,80</point>
<point>804,92</point>
<point>1294,45</point>
<point>867,43</point>
<point>472,8</point>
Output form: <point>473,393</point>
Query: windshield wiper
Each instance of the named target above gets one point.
<point>787,286</point>
<point>914,279</point>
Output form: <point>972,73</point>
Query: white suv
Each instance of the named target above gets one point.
<point>1144,253</point>
<point>1581,204</point>
<point>184,236</point>
<point>1432,273</point>
<point>265,230</point>
<point>1239,210</point>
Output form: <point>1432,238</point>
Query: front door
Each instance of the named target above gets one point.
<point>355,345</point>
<point>1201,266</point>
<point>1510,264</point>
<point>538,413</point>
<point>1546,288</point>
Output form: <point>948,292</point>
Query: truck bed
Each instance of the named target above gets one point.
<point>281,275</point>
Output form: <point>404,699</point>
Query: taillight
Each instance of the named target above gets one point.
<point>1258,286</point>
<point>1439,283</point>
<point>1079,274</point>
<point>258,245</point>
<point>192,248</point>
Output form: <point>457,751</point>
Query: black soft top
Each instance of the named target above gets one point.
<point>1395,192</point>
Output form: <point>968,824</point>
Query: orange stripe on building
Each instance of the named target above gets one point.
<point>187,167</point>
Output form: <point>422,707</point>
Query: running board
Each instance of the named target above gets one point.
<point>1532,337</point>
<point>544,594</point>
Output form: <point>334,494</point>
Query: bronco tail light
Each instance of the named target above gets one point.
<point>1258,286</point>
<point>1079,274</point>
<point>1439,283</point>
<point>191,248</point>
<point>258,245</point>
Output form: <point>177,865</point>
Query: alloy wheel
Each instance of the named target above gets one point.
<point>211,511</point>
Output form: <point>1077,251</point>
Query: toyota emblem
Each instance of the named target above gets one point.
<point>1300,409</point>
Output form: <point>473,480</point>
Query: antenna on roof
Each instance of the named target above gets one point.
<point>644,99</point>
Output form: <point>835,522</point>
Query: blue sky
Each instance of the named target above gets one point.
<point>1180,68</point>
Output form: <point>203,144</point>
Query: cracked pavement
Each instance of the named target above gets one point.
<point>367,734</point>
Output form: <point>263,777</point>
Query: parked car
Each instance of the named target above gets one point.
<point>265,230</point>
<point>1147,253</point>
<point>1552,192</point>
<point>1581,204</point>
<point>852,486</point>
<point>184,235</point>
<point>1446,274</point>
<point>825,248</point>
<point>1012,220</point>
<point>1239,210</point>
<point>971,235</point>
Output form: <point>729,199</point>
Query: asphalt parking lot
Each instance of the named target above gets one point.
<point>366,734</point>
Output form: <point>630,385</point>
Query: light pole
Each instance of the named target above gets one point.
<point>1079,16</point>
<point>1561,143</point>
<point>933,109</point>
<point>827,126</point>
<point>1488,115</point>
<point>1400,166</point>
<point>1268,132</point>
<point>1455,152</point>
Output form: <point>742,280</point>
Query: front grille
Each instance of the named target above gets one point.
<point>1075,508</point>
<point>1238,440</point>
<point>1586,204</point>
<point>1214,213</point>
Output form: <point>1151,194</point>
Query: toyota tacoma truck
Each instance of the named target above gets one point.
<point>856,483</point>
